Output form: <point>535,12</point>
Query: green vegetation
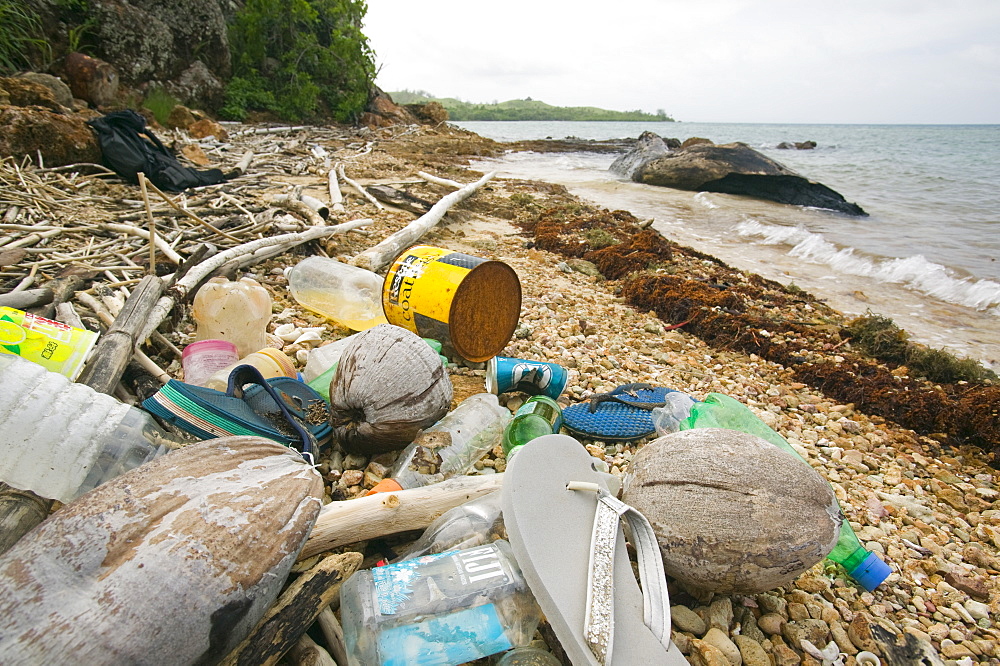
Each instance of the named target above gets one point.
<point>299,59</point>
<point>161,103</point>
<point>599,238</point>
<point>879,337</point>
<point>522,109</point>
<point>20,37</point>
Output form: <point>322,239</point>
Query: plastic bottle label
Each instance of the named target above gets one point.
<point>51,344</point>
<point>455,638</point>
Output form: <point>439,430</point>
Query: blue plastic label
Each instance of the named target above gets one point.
<point>394,582</point>
<point>445,640</point>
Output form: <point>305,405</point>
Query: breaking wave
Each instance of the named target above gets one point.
<point>914,272</point>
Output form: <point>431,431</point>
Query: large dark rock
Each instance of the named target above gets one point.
<point>647,148</point>
<point>60,138</point>
<point>733,168</point>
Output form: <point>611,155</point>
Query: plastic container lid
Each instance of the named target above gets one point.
<point>871,572</point>
<point>208,345</point>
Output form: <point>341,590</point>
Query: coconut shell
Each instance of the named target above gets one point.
<point>173,562</point>
<point>732,512</point>
<point>388,386</point>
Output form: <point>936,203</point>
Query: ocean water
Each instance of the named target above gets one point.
<point>926,256</point>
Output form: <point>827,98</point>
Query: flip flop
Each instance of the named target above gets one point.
<point>622,415</point>
<point>564,529</point>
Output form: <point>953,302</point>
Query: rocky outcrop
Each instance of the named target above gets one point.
<point>647,148</point>
<point>60,138</point>
<point>60,91</point>
<point>733,168</point>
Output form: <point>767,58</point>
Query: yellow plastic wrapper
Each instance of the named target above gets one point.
<point>51,344</point>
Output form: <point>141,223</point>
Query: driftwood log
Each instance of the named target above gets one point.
<point>173,562</point>
<point>378,257</point>
<point>333,632</point>
<point>306,652</point>
<point>399,199</point>
<point>20,511</point>
<point>295,611</point>
<point>381,514</point>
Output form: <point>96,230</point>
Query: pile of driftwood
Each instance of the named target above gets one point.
<point>78,247</point>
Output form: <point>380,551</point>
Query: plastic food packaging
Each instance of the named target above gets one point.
<point>204,358</point>
<point>438,610</point>
<point>51,344</point>
<point>451,446</point>
<point>348,295</point>
<point>271,363</point>
<point>60,439</point>
<point>721,411</point>
<point>539,415</point>
<point>235,311</point>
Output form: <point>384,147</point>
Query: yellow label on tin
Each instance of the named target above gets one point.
<point>423,281</point>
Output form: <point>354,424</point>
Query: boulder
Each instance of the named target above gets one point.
<point>180,117</point>
<point>23,91</point>
<point>647,148</point>
<point>696,141</point>
<point>197,85</point>
<point>60,138</point>
<point>205,128</point>
<point>733,513</point>
<point>430,113</point>
<point>60,91</point>
<point>736,168</point>
<point>383,112</point>
<point>91,79</point>
<point>805,145</point>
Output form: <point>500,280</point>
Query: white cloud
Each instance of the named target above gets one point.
<point>713,60</point>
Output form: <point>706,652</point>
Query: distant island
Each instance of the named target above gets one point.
<point>522,109</point>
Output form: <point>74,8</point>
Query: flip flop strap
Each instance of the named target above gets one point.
<point>599,626</point>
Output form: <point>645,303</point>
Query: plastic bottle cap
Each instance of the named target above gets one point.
<point>385,486</point>
<point>871,572</point>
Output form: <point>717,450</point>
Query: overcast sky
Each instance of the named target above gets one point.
<point>782,61</point>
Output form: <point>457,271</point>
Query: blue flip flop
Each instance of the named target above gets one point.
<point>623,415</point>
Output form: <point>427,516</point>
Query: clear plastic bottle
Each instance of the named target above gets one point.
<point>721,411</point>
<point>438,610</point>
<point>60,439</point>
<point>349,295</point>
<point>271,363</point>
<point>474,523</point>
<point>235,311</point>
<point>528,656</point>
<point>203,358</point>
<point>451,446</point>
<point>539,415</point>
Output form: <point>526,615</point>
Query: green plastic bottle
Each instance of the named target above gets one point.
<point>721,411</point>
<point>539,415</point>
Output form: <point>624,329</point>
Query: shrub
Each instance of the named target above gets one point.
<point>20,37</point>
<point>300,59</point>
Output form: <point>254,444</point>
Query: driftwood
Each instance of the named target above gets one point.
<point>381,514</point>
<point>378,257</point>
<point>295,611</point>
<point>20,511</point>
<point>306,652</point>
<point>29,298</point>
<point>399,199</point>
<point>298,205</point>
<point>334,635</point>
<point>362,191</point>
<point>116,346</point>
<point>439,181</point>
<point>336,198</point>
<point>173,562</point>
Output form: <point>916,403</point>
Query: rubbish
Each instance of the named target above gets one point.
<point>235,311</point>
<point>321,359</point>
<point>733,514</point>
<point>451,446</point>
<point>279,408</point>
<point>346,294</point>
<point>676,408</point>
<point>539,415</point>
<point>721,411</point>
<point>471,524</point>
<point>51,344</point>
<point>552,530</point>
<point>470,304</point>
<point>60,439</point>
<point>622,415</point>
<point>389,385</point>
<point>203,358</point>
<point>270,362</point>
<point>505,374</point>
<point>173,562</point>
<point>438,610</point>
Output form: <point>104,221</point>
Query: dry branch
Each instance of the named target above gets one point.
<point>376,258</point>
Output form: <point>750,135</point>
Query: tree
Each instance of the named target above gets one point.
<point>300,59</point>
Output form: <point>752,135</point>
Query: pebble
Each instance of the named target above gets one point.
<point>721,640</point>
<point>686,619</point>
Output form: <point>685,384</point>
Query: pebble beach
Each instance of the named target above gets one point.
<point>929,510</point>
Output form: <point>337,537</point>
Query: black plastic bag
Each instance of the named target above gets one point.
<point>129,147</point>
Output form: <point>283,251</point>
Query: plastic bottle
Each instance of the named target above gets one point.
<point>539,415</point>
<point>528,656</point>
<point>235,311</point>
<point>451,446</point>
<point>60,439</point>
<point>271,363</point>
<point>474,523</point>
<point>438,610</point>
<point>349,295</point>
<point>721,411</point>
<point>204,358</point>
